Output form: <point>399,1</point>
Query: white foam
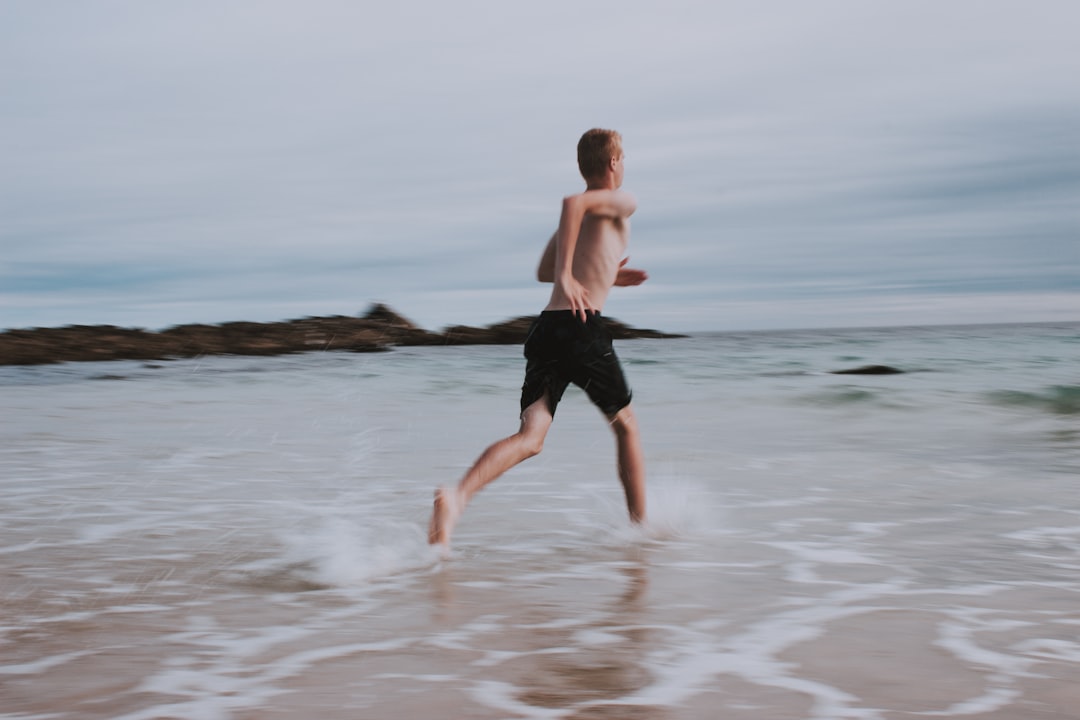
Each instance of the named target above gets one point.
<point>564,623</point>
<point>46,663</point>
<point>957,636</point>
<point>494,658</point>
<point>459,638</point>
<point>676,508</point>
<point>1049,536</point>
<point>824,553</point>
<point>993,699</point>
<point>231,682</point>
<point>591,638</point>
<point>697,656</point>
<point>500,696</point>
<point>22,547</point>
<point>681,507</point>
<point>340,552</point>
<point>1050,649</point>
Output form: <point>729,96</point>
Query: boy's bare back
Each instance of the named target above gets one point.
<point>602,238</point>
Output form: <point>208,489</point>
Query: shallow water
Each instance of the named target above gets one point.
<point>245,538</point>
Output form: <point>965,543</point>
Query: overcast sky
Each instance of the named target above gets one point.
<point>797,164</point>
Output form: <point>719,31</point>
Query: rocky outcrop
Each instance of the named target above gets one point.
<point>379,329</point>
<point>869,370</point>
<point>514,332</point>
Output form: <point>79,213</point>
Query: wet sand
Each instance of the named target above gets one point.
<point>651,629</point>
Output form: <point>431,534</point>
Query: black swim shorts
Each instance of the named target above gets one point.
<point>561,349</point>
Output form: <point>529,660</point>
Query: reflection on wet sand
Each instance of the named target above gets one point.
<point>583,665</point>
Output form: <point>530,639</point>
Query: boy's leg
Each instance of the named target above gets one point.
<point>493,462</point>
<point>631,462</point>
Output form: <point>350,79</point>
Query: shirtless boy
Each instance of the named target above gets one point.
<point>568,341</point>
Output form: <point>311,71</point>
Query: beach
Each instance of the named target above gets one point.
<point>245,537</point>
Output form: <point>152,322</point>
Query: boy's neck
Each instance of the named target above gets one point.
<point>604,183</point>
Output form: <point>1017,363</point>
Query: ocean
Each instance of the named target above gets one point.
<point>237,537</point>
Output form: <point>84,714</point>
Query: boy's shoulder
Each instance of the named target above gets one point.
<point>604,201</point>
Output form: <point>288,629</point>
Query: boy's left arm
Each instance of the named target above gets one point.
<point>545,271</point>
<point>627,277</point>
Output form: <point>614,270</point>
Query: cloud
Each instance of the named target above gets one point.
<point>260,159</point>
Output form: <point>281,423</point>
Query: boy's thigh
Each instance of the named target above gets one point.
<point>543,379</point>
<point>603,380</point>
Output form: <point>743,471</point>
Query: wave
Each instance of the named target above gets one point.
<point>841,397</point>
<point>1057,399</point>
<point>342,553</point>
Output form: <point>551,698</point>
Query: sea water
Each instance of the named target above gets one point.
<point>233,537</point>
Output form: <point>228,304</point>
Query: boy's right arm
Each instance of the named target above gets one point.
<point>606,203</point>
<point>573,292</point>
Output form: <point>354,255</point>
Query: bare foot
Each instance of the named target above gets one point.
<point>444,516</point>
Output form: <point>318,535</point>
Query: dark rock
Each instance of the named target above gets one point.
<point>514,332</point>
<point>379,329</point>
<point>620,331</point>
<point>383,315</point>
<point>466,335</point>
<point>869,370</point>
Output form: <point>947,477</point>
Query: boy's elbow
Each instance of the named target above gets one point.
<point>627,204</point>
<point>574,205</point>
<point>545,275</point>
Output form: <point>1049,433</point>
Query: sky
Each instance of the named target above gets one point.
<point>797,164</point>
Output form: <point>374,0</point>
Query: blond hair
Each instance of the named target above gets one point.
<point>595,149</point>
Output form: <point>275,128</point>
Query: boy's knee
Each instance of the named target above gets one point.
<point>624,422</point>
<point>533,445</point>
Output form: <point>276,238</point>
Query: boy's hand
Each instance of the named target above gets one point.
<point>629,276</point>
<point>577,296</point>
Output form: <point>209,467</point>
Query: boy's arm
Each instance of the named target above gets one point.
<point>545,271</point>
<point>577,297</point>
<point>627,277</point>
<point>609,203</point>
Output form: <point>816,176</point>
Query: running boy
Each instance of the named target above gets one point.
<point>568,341</point>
